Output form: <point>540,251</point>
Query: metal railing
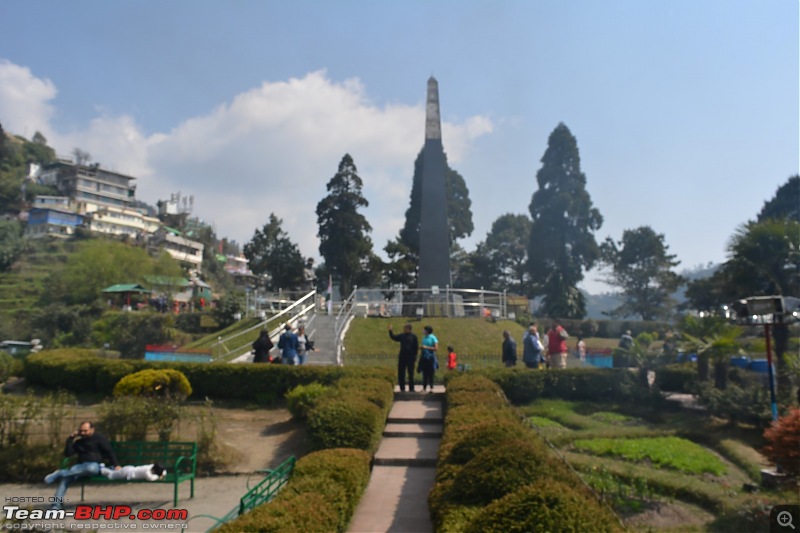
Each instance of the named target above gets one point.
<point>343,319</point>
<point>291,314</point>
<point>446,302</point>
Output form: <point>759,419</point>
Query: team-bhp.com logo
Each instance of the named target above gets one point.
<point>95,512</point>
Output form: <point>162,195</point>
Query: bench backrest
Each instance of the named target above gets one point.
<point>166,453</point>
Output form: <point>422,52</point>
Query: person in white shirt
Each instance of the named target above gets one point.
<point>152,472</point>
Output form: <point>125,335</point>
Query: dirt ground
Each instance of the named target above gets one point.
<point>259,439</point>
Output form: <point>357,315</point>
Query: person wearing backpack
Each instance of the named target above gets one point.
<point>532,348</point>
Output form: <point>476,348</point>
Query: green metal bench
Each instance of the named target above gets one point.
<point>263,492</point>
<point>179,458</point>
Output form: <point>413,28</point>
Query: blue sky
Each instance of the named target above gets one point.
<point>685,111</point>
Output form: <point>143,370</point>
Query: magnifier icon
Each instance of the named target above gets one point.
<point>785,519</point>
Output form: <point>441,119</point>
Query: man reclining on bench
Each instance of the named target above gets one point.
<point>92,449</point>
<point>152,472</point>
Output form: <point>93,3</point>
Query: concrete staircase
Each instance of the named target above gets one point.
<point>321,329</point>
<point>404,468</point>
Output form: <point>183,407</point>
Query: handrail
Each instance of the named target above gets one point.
<point>220,342</point>
<point>342,322</point>
<point>277,330</point>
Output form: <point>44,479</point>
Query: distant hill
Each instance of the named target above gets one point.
<point>596,304</point>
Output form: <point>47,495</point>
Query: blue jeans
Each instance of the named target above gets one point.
<point>66,476</point>
<point>301,358</point>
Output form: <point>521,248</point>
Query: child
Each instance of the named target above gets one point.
<point>152,472</point>
<point>451,358</point>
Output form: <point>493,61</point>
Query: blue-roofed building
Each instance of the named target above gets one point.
<point>52,221</point>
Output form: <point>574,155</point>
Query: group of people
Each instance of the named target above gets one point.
<point>428,363</point>
<point>294,347</point>
<point>549,350</point>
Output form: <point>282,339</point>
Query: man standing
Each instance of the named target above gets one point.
<point>509,350</point>
<point>557,345</point>
<point>92,450</point>
<point>409,345</point>
<point>288,344</point>
<point>532,348</point>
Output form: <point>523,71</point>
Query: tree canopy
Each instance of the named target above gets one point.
<point>344,238</point>
<point>561,244</point>
<point>643,270</point>
<point>785,204</point>
<point>272,253</point>
<point>506,251</point>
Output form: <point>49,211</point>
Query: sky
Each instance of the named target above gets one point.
<point>685,112</point>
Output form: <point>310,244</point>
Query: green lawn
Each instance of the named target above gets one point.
<point>672,452</point>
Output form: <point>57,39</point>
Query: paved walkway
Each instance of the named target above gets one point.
<point>213,496</point>
<point>404,469</point>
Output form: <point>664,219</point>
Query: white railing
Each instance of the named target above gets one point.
<point>343,318</point>
<point>293,312</point>
<point>446,301</point>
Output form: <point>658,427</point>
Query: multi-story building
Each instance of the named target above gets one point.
<point>179,247</point>
<point>53,222</point>
<point>90,187</point>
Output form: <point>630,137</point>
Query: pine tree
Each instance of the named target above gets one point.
<point>343,231</point>
<point>562,243</point>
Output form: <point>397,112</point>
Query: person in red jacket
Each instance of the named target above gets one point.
<point>451,358</point>
<point>557,345</point>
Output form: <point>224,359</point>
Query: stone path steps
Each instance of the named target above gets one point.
<point>404,468</point>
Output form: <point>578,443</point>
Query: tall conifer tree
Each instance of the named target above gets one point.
<point>562,243</point>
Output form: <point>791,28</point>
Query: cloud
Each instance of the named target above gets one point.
<point>24,100</point>
<point>270,149</point>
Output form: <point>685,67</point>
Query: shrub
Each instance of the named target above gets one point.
<point>301,399</point>
<point>287,513</point>
<point>502,469</point>
<point>377,391</point>
<point>484,436</point>
<point>676,378</point>
<point>750,404</point>
<point>346,468</point>
<point>163,383</point>
<point>782,446</point>
<point>546,506</point>
<point>345,423</point>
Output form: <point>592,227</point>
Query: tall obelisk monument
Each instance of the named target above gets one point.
<point>434,239</point>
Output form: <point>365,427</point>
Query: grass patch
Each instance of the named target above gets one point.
<point>671,452</point>
<point>474,339</point>
<point>611,417</point>
<point>545,423</point>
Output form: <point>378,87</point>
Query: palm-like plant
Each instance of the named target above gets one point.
<point>717,343</point>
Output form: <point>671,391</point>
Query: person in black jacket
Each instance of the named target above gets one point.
<point>261,348</point>
<point>509,350</point>
<point>409,345</point>
<point>92,449</point>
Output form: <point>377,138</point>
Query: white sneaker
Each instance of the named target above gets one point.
<point>52,477</point>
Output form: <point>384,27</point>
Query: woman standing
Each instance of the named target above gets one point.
<point>427,362</point>
<point>303,344</point>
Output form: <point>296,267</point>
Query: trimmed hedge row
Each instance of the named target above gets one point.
<point>522,386</point>
<point>350,414</point>
<point>677,378</point>
<point>495,474</point>
<point>321,495</point>
<point>81,371</point>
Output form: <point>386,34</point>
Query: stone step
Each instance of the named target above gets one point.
<point>396,499</point>
<point>416,412</point>
<point>418,395</point>
<point>423,431</point>
<point>407,451</point>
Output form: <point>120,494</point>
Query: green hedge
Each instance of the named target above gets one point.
<point>677,378</point>
<point>522,386</point>
<point>548,505</point>
<point>81,371</point>
<point>488,455</point>
<point>321,495</point>
<point>341,422</point>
